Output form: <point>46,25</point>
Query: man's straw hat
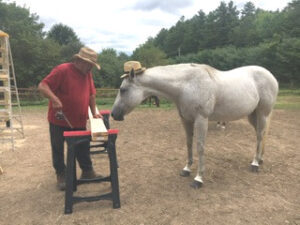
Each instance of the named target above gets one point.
<point>88,55</point>
<point>135,65</point>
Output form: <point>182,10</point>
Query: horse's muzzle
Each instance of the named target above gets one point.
<point>118,117</point>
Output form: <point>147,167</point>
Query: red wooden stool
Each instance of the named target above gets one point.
<point>74,138</point>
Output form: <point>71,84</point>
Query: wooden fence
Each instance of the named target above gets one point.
<point>33,94</point>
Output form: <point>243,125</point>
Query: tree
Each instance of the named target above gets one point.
<point>287,58</point>
<point>111,68</point>
<point>32,55</point>
<point>291,19</point>
<point>161,39</point>
<point>199,23</point>
<point>67,39</point>
<point>220,25</point>
<point>175,38</point>
<point>62,34</point>
<point>69,50</point>
<point>245,34</point>
<point>190,38</point>
<point>18,21</point>
<point>267,24</point>
<point>248,10</point>
<point>223,38</point>
<point>149,55</point>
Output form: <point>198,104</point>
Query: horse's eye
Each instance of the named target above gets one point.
<point>123,90</point>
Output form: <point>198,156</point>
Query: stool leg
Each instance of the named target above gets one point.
<point>74,174</point>
<point>69,179</point>
<point>114,170</point>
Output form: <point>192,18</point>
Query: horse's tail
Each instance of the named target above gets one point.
<point>267,129</point>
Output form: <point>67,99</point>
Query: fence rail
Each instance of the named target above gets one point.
<point>33,94</point>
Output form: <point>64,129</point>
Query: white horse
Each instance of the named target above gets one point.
<point>202,93</point>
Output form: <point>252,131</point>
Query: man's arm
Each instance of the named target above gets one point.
<point>93,107</point>
<point>48,93</point>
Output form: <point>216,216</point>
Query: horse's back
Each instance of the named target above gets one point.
<point>243,90</point>
<point>257,75</point>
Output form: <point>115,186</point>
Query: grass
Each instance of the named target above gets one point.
<point>287,99</point>
<point>288,102</point>
<point>287,92</point>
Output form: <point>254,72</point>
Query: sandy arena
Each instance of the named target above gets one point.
<point>151,152</point>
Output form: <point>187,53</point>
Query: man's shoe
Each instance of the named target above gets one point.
<point>91,174</point>
<point>61,182</point>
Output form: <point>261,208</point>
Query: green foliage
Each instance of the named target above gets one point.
<point>245,33</point>
<point>287,60</point>
<point>111,68</point>
<point>62,34</point>
<point>67,39</point>
<point>225,38</point>
<point>34,55</point>
<point>149,55</point>
<point>281,57</point>
<point>221,24</point>
<point>27,43</point>
<point>228,39</point>
<point>291,20</point>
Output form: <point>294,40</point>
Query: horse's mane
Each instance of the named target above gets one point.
<point>209,69</point>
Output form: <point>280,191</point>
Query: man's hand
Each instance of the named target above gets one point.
<point>48,93</point>
<point>98,115</point>
<point>56,104</point>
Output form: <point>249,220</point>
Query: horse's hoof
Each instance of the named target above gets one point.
<point>184,173</point>
<point>196,184</point>
<point>254,168</point>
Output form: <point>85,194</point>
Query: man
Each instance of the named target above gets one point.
<point>70,90</point>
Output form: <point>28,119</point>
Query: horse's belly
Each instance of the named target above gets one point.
<point>233,110</point>
<point>229,117</point>
<point>235,100</point>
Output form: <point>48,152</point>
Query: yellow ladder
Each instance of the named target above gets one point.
<point>11,123</point>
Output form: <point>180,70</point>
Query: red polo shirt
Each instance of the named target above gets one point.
<point>74,90</point>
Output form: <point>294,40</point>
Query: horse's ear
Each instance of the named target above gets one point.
<point>131,74</point>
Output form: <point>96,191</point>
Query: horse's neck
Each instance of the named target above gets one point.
<point>160,85</point>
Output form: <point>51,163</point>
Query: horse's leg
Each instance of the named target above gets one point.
<point>189,130</point>
<point>252,119</point>
<point>221,125</point>
<point>201,125</point>
<point>261,121</point>
<point>156,100</point>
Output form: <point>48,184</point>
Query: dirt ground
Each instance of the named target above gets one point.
<point>151,153</point>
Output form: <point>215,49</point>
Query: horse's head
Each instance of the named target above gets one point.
<point>129,96</point>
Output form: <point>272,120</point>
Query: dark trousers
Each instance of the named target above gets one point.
<point>57,144</point>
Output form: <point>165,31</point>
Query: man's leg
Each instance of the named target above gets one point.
<point>84,159</point>
<point>83,156</point>
<point>57,146</point>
